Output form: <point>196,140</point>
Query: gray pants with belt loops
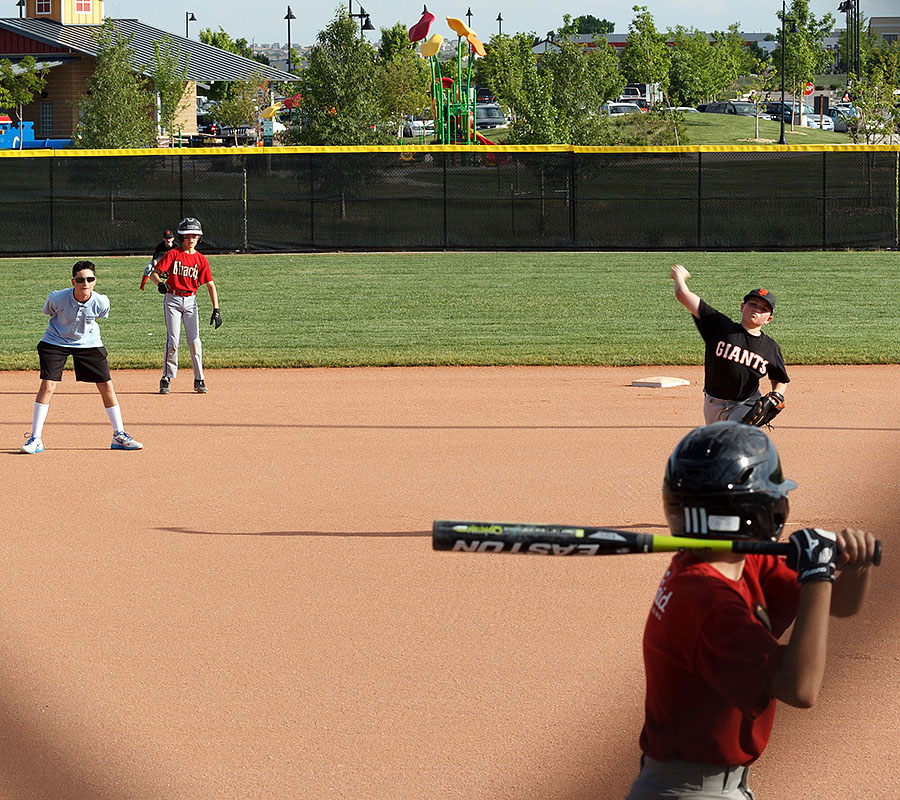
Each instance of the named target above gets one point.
<point>683,780</point>
<point>716,410</point>
<point>177,311</point>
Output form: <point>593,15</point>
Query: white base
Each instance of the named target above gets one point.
<point>661,382</point>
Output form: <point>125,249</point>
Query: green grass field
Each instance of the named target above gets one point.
<point>721,129</point>
<point>476,308</point>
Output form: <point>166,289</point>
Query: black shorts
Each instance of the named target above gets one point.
<point>91,365</point>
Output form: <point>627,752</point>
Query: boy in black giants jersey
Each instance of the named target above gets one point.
<point>738,355</point>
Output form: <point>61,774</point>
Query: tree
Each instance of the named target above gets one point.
<point>170,81</point>
<point>240,47</point>
<point>647,56</point>
<point>762,84</point>
<point>804,51</point>
<point>403,78</point>
<point>731,58</point>
<point>588,23</point>
<point>340,90</point>
<point>692,74</point>
<point>242,104</point>
<point>877,116</point>
<point>20,85</point>
<point>504,67</point>
<point>117,110</point>
<point>563,94</point>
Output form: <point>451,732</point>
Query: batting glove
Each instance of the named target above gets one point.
<point>161,288</point>
<point>812,555</point>
<point>216,318</point>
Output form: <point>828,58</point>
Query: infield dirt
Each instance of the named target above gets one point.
<point>249,607</point>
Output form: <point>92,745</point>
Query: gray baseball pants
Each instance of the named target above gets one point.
<point>716,410</point>
<point>177,311</point>
<point>671,780</point>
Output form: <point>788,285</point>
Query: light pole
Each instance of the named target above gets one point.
<point>188,18</point>
<point>289,16</point>
<point>365,24</point>
<point>782,140</point>
<point>499,24</point>
<point>21,5</point>
<point>469,16</point>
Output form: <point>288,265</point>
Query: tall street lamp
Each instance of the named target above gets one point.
<point>188,18</point>
<point>365,24</point>
<point>469,16</point>
<point>21,5</point>
<point>782,140</point>
<point>289,16</point>
<point>499,24</point>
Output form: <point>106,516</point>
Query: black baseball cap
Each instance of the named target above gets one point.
<point>762,294</point>
<point>168,235</point>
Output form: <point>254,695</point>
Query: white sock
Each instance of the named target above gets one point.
<point>37,419</point>
<point>115,417</point>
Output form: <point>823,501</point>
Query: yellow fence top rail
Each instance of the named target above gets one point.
<point>431,148</point>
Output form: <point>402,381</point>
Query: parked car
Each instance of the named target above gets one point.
<point>640,102</point>
<point>484,95</point>
<point>682,109</point>
<point>619,109</point>
<point>489,115</point>
<point>775,110</point>
<point>825,123</point>
<point>844,117</point>
<point>738,107</point>
<point>417,127</point>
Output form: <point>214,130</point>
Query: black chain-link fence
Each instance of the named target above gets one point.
<point>436,199</point>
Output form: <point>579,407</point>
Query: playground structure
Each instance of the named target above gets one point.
<point>453,99</point>
<point>21,136</point>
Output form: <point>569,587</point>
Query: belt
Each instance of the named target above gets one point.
<point>179,294</point>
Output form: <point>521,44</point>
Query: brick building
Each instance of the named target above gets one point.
<point>59,34</point>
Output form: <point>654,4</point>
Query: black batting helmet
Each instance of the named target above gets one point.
<point>190,225</point>
<point>724,481</point>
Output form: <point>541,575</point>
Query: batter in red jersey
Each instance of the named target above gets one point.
<point>714,663</point>
<point>178,275</point>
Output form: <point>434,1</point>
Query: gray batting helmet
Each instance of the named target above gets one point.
<point>724,481</point>
<point>190,225</point>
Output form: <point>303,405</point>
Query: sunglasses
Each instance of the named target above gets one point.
<point>91,279</point>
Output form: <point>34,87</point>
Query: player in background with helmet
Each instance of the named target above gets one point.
<point>73,331</point>
<point>167,243</point>
<point>738,355</point>
<point>714,665</point>
<point>178,275</point>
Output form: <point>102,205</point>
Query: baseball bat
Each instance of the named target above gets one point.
<point>583,540</point>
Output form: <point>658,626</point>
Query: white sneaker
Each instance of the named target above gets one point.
<point>32,446</point>
<point>122,441</point>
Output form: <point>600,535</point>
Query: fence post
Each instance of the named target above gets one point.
<point>52,207</point>
<point>244,198</point>
<point>444,244</point>
<point>824,201</point>
<point>897,200</point>
<point>699,199</point>
<point>181,186</point>
<point>573,216</point>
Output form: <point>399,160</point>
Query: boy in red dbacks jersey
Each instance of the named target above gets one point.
<point>714,664</point>
<point>178,275</point>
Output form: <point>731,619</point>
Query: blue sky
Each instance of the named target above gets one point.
<point>263,20</point>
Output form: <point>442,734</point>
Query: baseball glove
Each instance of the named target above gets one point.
<point>764,410</point>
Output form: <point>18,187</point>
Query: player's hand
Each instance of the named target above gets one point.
<point>856,548</point>
<point>813,553</point>
<point>216,318</point>
<point>161,288</point>
<point>676,270</point>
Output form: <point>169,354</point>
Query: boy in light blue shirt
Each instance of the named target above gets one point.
<point>73,331</point>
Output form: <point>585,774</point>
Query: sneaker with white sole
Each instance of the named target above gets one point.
<point>122,441</point>
<point>163,385</point>
<point>200,386</point>
<point>32,446</point>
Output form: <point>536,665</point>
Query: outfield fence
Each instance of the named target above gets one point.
<point>298,199</point>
